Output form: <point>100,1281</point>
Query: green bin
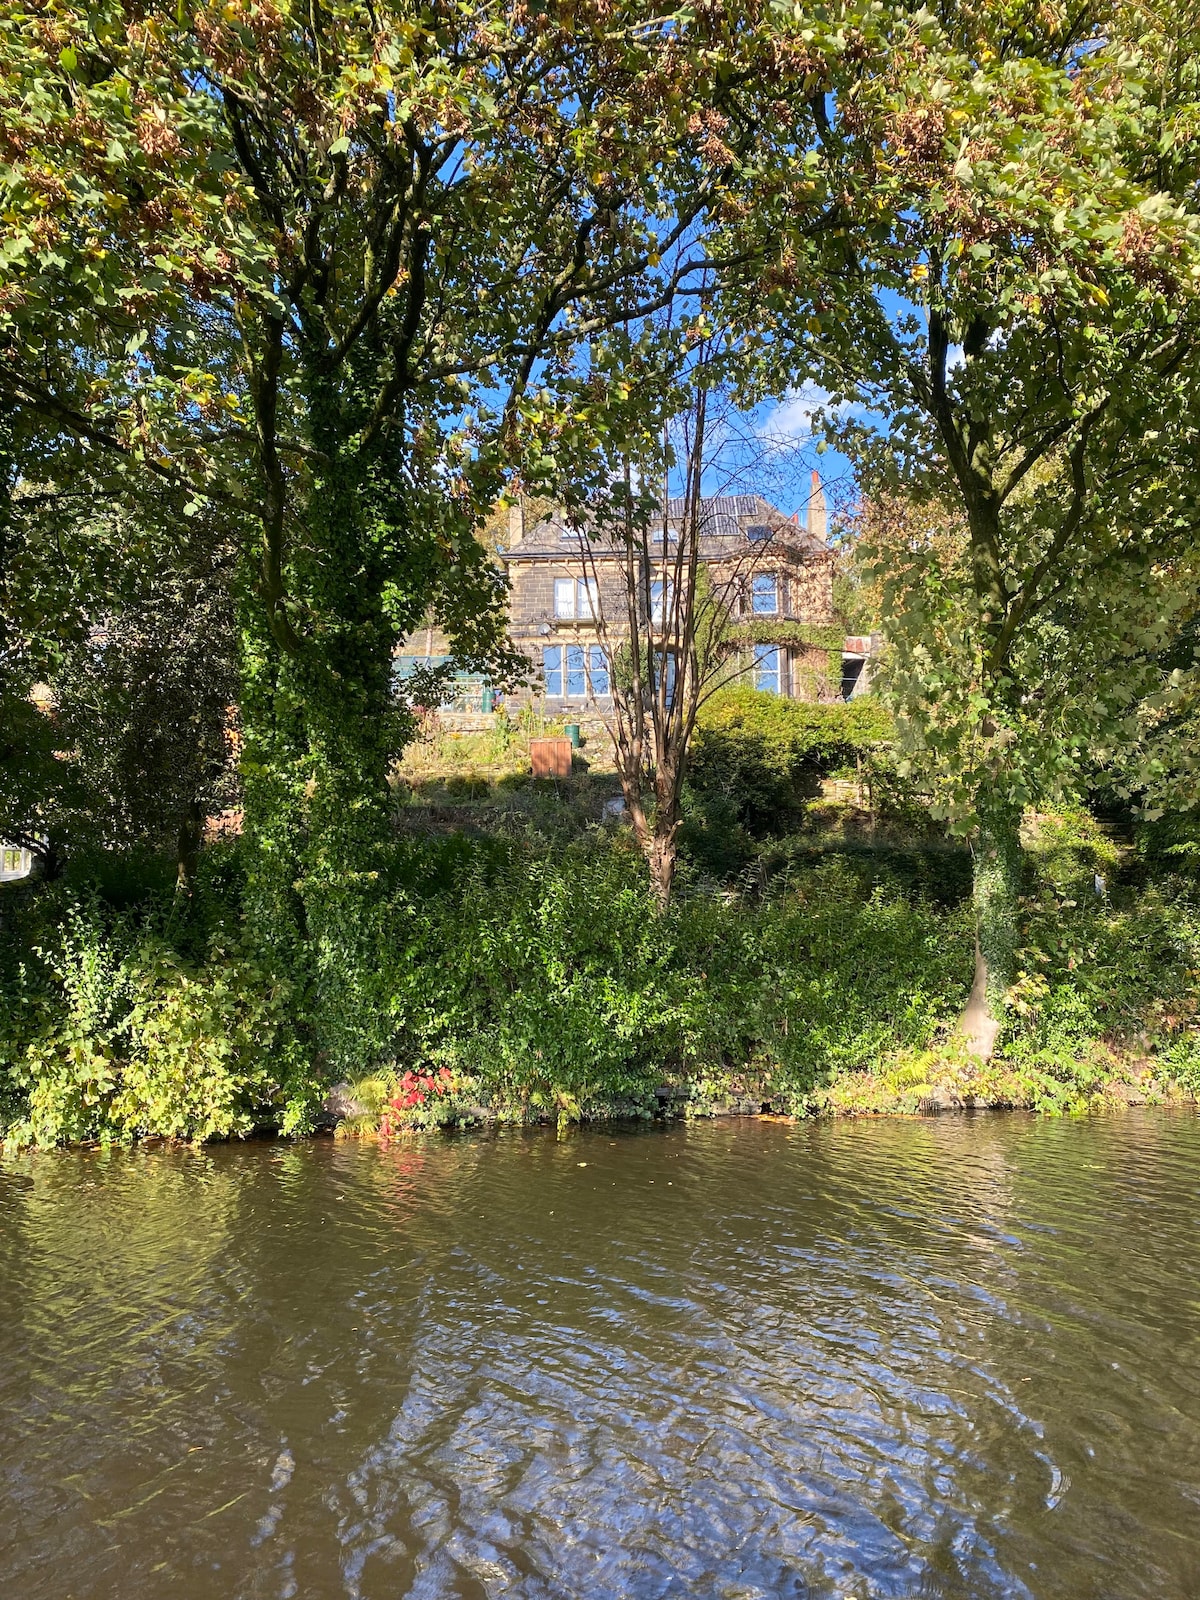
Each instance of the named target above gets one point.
<point>571,729</point>
<point>489,701</point>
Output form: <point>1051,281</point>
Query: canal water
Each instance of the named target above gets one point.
<point>936,1358</point>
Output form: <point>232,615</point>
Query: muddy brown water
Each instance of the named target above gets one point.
<point>940,1358</point>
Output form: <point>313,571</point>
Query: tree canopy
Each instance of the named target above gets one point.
<point>1006,321</point>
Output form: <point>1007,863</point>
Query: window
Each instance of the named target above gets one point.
<point>666,668</point>
<point>552,670</point>
<point>15,862</point>
<point>574,675</point>
<point>598,668</point>
<point>577,597</point>
<point>764,594</point>
<point>662,593</point>
<point>567,669</point>
<point>766,667</point>
<point>852,670</point>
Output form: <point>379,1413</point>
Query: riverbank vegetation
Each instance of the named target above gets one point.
<point>523,971</point>
<point>296,299</point>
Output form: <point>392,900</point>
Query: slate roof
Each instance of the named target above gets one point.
<point>725,520</point>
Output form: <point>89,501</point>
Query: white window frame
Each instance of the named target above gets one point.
<point>593,661</point>
<point>577,599</point>
<point>756,609</point>
<point>761,653</point>
<point>15,862</point>
<point>597,662</point>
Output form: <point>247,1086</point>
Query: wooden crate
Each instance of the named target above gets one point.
<point>551,758</point>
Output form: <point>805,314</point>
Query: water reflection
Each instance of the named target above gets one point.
<point>950,1358</point>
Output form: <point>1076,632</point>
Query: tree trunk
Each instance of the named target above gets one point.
<point>271,760</point>
<point>661,857</point>
<point>664,843</point>
<point>321,814</point>
<point>996,891</point>
<point>187,852</point>
<point>47,859</point>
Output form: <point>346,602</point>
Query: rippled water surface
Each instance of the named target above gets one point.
<point>953,1357</point>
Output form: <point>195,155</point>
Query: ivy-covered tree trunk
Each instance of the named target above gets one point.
<point>352,735</point>
<point>996,891</point>
<point>322,729</point>
<point>272,771</point>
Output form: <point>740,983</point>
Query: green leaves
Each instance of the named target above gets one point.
<point>1013,279</point>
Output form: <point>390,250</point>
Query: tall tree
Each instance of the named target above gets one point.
<point>317,259</point>
<point>118,658</point>
<point>1012,297</point>
<point>671,582</point>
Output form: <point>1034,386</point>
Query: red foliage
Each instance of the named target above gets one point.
<point>412,1091</point>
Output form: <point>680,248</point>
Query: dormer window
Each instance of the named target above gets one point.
<point>764,594</point>
<point>758,532</point>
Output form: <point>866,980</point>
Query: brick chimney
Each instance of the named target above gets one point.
<point>816,519</point>
<point>516,522</point>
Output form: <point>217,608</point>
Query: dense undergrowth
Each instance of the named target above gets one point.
<point>522,972</point>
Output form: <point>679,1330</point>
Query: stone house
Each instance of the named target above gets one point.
<point>775,572</point>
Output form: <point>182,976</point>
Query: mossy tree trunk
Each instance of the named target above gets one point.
<point>353,732</point>
<point>996,889</point>
<point>321,729</point>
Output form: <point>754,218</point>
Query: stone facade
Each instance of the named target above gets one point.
<point>777,572</point>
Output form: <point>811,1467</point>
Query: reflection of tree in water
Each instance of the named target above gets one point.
<point>850,1335</point>
<point>823,1360</point>
<point>111,1339</point>
<point>715,1372</point>
<point>1103,1348</point>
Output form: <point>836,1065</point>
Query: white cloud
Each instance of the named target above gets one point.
<point>790,423</point>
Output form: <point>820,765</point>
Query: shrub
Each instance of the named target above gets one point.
<point>460,787</point>
<point>117,1037</point>
<point>541,978</point>
<point>766,754</point>
<point>1066,851</point>
<point>529,974</point>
